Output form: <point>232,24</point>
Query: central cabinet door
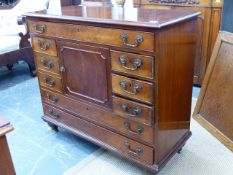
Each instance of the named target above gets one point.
<point>86,72</point>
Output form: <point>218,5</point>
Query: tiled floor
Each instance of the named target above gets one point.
<point>35,148</point>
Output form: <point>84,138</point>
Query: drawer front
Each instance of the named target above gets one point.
<point>114,37</point>
<point>132,110</point>
<point>120,143</point>
<point>47,63</point>
<point>44,45</point>
<point>98,115</point>
<point>50,81</point>
<point>134,89</point>
<point>134,64</point>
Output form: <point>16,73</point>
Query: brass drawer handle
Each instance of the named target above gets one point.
<point>49,82</point>
<point>137,63</point>
<point>55,114</point>
<point>138,131</point>
<point>53,99</point>
<point>138,40</point>
<point>131,112</point>
<point>46,64</point>
<point>137,151</point>
<point>44,45</point>
<point>40,29</point>
<point>136,87</point>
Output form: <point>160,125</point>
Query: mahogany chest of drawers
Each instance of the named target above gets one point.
<point>121,78</point>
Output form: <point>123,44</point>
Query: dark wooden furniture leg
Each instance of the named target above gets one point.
<point>27,56</point>
<point>26,49</point>
<point>6,164</point>
<point>9,66</point>
<point>53,127</point>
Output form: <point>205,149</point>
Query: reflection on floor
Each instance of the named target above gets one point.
<point>35,148</point>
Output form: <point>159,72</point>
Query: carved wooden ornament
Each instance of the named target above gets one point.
<point>176,1</point>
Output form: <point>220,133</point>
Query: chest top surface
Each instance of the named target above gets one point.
<point>138,17</point>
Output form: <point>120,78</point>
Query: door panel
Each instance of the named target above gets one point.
<point>86,72</point>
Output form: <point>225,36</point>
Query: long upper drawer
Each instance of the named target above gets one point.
<point>114,37</point>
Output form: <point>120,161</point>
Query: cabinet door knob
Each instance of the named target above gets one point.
<point>40,29</point>
<point>137,63</point>
<point>62,69</point>
<point>131,112</point>
<point>137,151</point>
<point>136,87</point>
<point>138,40</point>
<point>138,131</point>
